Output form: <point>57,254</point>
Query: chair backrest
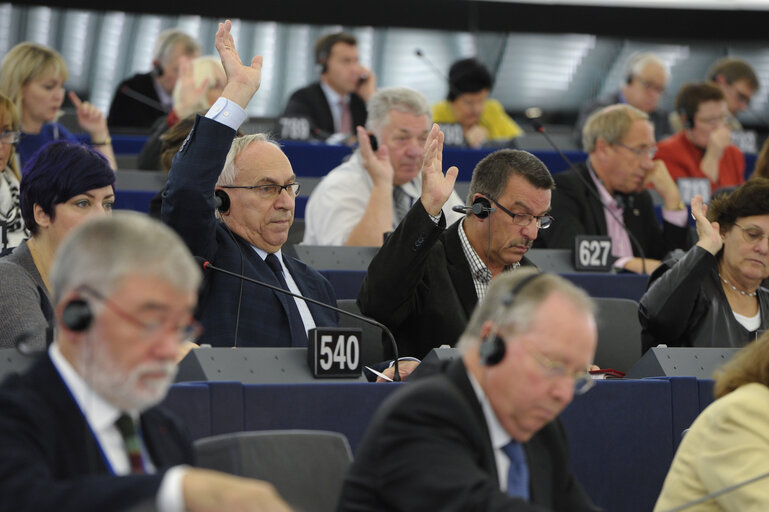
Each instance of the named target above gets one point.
<point>307,467</point>
<point>556,261</point>
<point>322,257</point>
<point>371,349</point>
<point>619,333</point>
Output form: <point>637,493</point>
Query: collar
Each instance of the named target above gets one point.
<point>98,412</point>
<point>332,96</point>
<point>498,435</point>
<point>606,198</point>
<point>478,268</point>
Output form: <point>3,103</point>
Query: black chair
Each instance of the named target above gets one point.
<point>371,346</point>
<point>307,467</point>
<point>619,333</point>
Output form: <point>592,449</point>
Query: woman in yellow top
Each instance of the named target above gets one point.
<point>483,120</point>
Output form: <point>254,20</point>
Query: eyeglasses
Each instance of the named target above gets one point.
<point>640,151</point>
<point>557,370</point>
<point>269,191</point>
<point>651,86</point>
<point>752,235</point>
<point>185,330</point>
<point>7,137</point>
<point>524,219</point>
<point>712,121</point>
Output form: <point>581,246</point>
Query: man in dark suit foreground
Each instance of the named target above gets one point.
<point>257,189</point>
<point>482,432</point>
<point>80,431</point>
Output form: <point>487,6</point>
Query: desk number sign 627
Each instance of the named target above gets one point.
<point>592,253</point>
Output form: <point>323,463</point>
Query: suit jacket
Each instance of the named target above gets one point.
<point>50,460</point>
<point>310,102</point>
<point>188,207</point>
<point>127,112</point>
<point>428,448</point>
<point>419,284</point>
<point>577,211</point>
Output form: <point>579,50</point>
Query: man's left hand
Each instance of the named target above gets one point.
<point>404,370</point>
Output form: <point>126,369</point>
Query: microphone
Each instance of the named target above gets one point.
<point>208,266</point>
<point>419,53</point>
<point>716,494</point>
<point>533,114</point>
<point>143,99</point>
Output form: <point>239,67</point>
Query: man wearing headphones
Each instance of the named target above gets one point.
<point>140,100</point>
<point>80,430</point>
<point>337,103</point>
<point>482,432</point>
<point>426,279</point>
<point>369,194</point>
<point>703,149</point>
<point>643,85</point>
<point>255,187</point>
<point>607,196</point>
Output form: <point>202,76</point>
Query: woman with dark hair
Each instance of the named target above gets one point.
<point>63,184</point>
<point>713,296</point>
<point>728,443</point>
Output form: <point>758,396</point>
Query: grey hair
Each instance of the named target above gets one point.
<point>518,315</point>
<point>610,124</point>
<point>102,251</point>
<point>491,175</point>
<point>401,99</point>
<point>230,171</point>
<point>638,61</point>
<point>168,39</point>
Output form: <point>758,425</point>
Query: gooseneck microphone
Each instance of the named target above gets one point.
<point>208,266</point>
<point>532,114</point>
<point>143,99</point>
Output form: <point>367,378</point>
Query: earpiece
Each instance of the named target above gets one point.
<point>77,315</point>
<point>686,119</point>
<point>222,201</point>
<point>158,70</point>
<point>493,347</point>
<point>481,207</point>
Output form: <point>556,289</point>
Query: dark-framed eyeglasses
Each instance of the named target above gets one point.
<point>10,137</point>
<point>186,330</point>
<point>524,219</point>
<point>640,151</point>
<point>269,191</point>
<point>752,235</point>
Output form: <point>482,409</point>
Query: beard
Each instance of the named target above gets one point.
<point>136,389</point>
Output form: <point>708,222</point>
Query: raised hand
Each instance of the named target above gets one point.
<point>436,187</point>
<point>90,118</point>
<point>189,93</point>
<point>376,163</point>
<point>709,233</point>
<point>242,81</point>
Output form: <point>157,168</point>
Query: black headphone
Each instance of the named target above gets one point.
<point>493,347</point>
<point>77,315</point>
<point>481,208</point>
<point>222,201</point>
<point>686,118</point>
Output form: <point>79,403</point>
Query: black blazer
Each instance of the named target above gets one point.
<point>50,460</point>
<point>428,448</point>
<point>188,207</point>
<point>310,102</point>
<point>419,284</point>
<point>577,211</point>
<point>127,112</point>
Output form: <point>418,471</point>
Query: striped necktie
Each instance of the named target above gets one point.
<point>401,205</point>
<point>125,424</point>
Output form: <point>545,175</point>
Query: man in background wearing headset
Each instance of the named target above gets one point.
<point>140,100</point>
<point>425,281</point>
<point>79,430</point>
<point>369,194</point>
<point>336,103</point>
<point>482,433</point>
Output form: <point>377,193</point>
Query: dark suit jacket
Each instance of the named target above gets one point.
<point>311,103</point>
<point>50,460</point>
<point>127,112</point>
<point>577,211</point>
<point>428,448</point>
<point>188,207</point>
<point>419,284</point>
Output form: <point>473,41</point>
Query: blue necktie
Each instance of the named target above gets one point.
<point>518,475</point>
<point>298,332</point>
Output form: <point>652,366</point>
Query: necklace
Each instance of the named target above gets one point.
<point>730,285</point>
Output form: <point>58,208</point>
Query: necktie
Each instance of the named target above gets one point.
<point>298,332</point>
<point>518,475</point>
<point>401,205</point>
<point>345,123</point>
<point>125,424</point>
